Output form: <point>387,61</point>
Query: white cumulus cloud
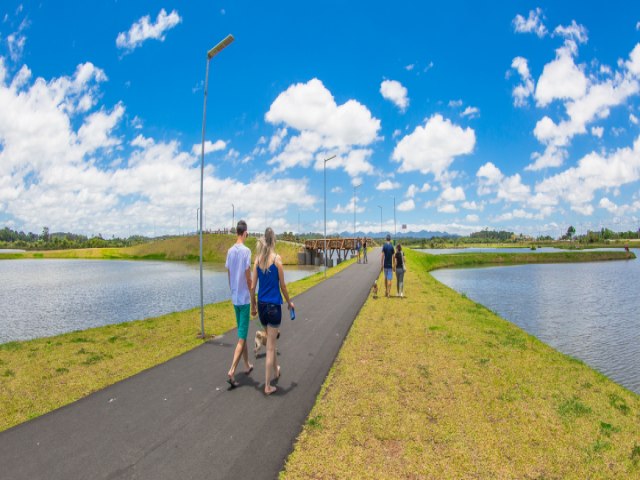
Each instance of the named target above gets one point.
<point>395,92</point>
<point>144,29</point>
<point>325,129</point>
<point>471,112</point>
<point>451,194</point>
<point>406,206</point>
<point>208,147</point>
<point>433,147</point>
<point>531,24</point>
<point>524,90</point>
<point>387,185</point>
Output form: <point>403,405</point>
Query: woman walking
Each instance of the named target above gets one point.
<point>269,274</point>
<point>400,267</point>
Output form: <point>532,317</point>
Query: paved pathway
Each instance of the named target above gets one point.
<point>179,421</point>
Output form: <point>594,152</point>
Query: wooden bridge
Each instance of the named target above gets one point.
<point>340,247</point>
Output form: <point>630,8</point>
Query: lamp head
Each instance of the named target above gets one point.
<point>220,46</point>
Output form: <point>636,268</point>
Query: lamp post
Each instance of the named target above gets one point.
<point>354,208</point>
<point>394,220</point>
<point>325,212</point>
<point>210,54</point>
<point>233,216</point>
<point>380,219</point>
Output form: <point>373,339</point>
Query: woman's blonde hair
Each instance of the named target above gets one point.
<point>266,246</point>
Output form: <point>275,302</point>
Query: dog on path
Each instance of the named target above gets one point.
<point>260,341</point>
<point>374,289</point>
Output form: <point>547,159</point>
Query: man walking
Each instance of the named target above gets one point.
<point>238,266</point>
<point>386,263</point>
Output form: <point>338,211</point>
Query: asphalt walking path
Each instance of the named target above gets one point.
<point>179,420</point>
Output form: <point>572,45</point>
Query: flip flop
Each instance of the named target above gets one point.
<point>233,383</point>
<point>271,392</point>
<point>247,372</point>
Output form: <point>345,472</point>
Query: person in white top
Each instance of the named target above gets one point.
<point>238,266</point>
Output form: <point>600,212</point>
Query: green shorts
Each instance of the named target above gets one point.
<point>242,320</point>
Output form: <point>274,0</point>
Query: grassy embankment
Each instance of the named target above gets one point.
<point>564,244</point>
<point>38,376</point>
<point>437,386</point>
<point>214,249</point>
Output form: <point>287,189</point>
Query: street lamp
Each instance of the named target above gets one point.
<point>394,220</point>
<point>325,212</point>
<point>233,216</point>
<point>210,54</point>
<point>380,219</point>
<point>354,208</point>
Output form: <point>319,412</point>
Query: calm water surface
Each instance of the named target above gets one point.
<point>44,297</point>
<point>590,311</point>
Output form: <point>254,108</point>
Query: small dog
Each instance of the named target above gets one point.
<point>260,340</point>
<point>374,289</point>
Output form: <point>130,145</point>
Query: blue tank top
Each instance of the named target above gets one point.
<point>269,285</point>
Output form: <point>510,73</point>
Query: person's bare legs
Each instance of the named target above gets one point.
<point>240,351</point>
<point>271,368</point>
<point>387,284</point>
<point>245,356</point>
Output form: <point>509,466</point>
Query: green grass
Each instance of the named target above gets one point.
<point>38,376</point>
<point>436,386</point>
<point>214,249</point>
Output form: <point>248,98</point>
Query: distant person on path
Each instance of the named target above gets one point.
<point>269,274</point>
<point>238,266</point>
<point>364,250</point>
<point>358,248</point>
<point>386,263</point>
<point>400,267</point>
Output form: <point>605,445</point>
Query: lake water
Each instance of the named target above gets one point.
<point>590,311</point>
<point>44,297</point>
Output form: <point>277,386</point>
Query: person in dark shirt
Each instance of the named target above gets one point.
<point>386,263</point>
<point>364,250</point>
<point>400,267</point>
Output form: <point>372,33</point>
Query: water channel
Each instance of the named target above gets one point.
<point>44,297</point>
<point>590,311</point>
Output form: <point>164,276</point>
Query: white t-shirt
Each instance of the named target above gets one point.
<point>238,262</point>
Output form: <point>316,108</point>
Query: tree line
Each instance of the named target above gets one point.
<point>62,240</point>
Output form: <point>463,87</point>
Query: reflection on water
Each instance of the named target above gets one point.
<point>586,310</point>
<point>51,296</point>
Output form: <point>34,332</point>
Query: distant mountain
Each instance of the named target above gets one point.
<point>420,234</point>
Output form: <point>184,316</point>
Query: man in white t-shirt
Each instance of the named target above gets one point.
<point>238,266</point>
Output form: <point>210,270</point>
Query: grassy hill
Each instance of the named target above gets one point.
<point>214,249</point>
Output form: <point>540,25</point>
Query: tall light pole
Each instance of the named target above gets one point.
<point>354,208</point>
<point>380,219</point>
<point>394,219</point>
<point>325,212</point>
<point>210,54</point>
<point>233,216</point>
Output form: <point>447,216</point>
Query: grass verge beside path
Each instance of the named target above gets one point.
<point>214,249</point>
<point>38,376</point>
<point>436,386</point>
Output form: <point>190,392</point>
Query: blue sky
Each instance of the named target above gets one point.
<point>518,115</point>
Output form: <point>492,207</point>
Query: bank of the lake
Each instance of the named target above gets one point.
<point>214,250</point>
<point>437,386</point>
<point>37,376</point>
